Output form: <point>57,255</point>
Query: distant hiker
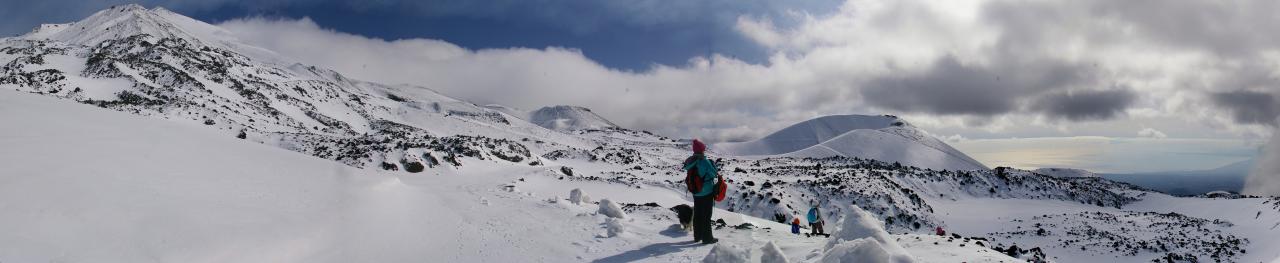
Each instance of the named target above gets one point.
<point>795,226</point>
<point>940,232</point>
<point>815,220</point>
<point>703,180</point>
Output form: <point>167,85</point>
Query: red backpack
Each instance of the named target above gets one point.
<point>721,188</point>
<point>694,184</point>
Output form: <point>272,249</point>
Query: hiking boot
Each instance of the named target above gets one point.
<point>710,241</point>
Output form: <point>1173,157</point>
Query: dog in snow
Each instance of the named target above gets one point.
<point>685,214</point>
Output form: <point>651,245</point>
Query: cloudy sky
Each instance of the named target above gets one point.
<point>1112,86</point>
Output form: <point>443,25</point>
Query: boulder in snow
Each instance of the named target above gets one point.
<point>611,209</point>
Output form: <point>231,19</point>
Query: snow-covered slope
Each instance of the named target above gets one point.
<point>885,138</point>
<point>568,118</point>
<point>87,184</point>
<point>161,64</point>
<point>1066,172</point>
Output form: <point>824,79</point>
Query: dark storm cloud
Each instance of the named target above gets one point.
<point>625,34</point>
<point>1233,33</point>
<point>1224,28</point>
<point>1085,105</point>
<point>1228,28</point>
<point>950,87</point>
<point>1248,107</point>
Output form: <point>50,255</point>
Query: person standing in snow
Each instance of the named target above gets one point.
<point>815,220</point>
<point>795,226</point>
<point>702,170</point>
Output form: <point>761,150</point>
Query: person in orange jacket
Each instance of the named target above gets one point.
<point>795,226</point>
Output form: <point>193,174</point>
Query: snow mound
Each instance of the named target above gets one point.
<point>611,209</point>
<point>569,118</point>
<point>859,250</point>
<point>860,225</point>
<point>723,253</point>
<point>1066,172</point>
<point>614,227</point>
<point>575,196</point>
<point>772,254</point>
<point>885,138</point>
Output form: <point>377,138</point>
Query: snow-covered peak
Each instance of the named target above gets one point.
<point>883,137</point>
<point>129,20</point>
<point>812,132</point>
<point>1066,172</point>
<point>568,118</point>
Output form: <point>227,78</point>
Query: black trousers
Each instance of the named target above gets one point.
<point>702,207</point>
<point>817,227</point>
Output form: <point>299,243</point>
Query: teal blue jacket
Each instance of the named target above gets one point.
<point>706,170</point>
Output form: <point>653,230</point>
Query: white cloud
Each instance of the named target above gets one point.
<point>1264,179</point>
<point>822,65</point>
<point>1152,133</point>
<point>713,97</point>
<point>1171,71</point>
<point>954,138</point>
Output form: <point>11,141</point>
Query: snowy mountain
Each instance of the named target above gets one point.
<point>568,118</point>
<point>157,63</point>
<point>1066,172</point>
<point>142,135</point>
<point>885,138</point>
<point>129,20</point>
